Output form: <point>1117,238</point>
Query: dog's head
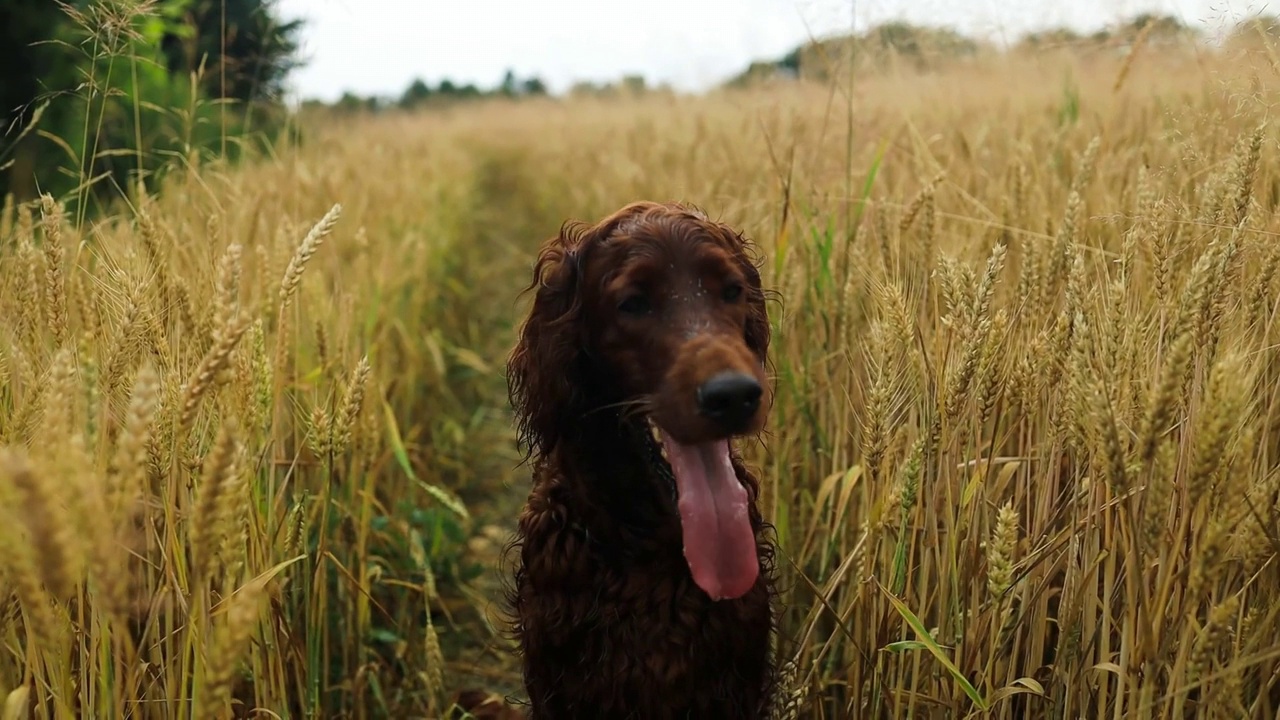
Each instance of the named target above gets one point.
<point>659,312</point>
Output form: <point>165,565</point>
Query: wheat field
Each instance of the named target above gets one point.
<point>257,458</point>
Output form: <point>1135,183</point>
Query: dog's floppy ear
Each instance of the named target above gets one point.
<point>546,372</point>
<point>539,370</point>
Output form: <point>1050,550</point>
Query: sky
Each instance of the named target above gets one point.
<point>377,47</point>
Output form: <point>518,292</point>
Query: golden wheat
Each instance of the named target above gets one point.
<point>209,516</point>
<point>1021,459</point>
<point>240,620</point>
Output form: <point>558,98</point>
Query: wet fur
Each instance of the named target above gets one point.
<point>608,620</point>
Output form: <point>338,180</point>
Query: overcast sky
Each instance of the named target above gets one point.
<point>380,46</point>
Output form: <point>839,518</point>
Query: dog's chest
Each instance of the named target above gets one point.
<point>616,628</point>
<point>664,632</point>
<point>666,598</point>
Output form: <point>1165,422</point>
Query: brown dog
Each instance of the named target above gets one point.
<point>645,583</point>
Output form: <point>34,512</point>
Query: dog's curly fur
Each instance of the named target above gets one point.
<point>609,621</point>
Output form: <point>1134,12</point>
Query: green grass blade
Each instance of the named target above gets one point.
<point>933,647</point>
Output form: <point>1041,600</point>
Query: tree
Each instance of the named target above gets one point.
<point>1056,37</point>
<point>635,84</point>
<point>1164,30</point>
<point>351,102</point>
<point>417,92</point>
<point>534,86</point>
<point>790,63</point>
<point>26,55</point>
<point>57,58</point>
<point>508,87</point>
<point>249,61</point>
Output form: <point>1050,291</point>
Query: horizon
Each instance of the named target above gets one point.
<point>378,48</point>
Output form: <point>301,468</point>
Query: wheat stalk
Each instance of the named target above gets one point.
<point>38,568</point>
<point>241,620</point>
<point>55,272</point>
<point>211,371</point>
<point>129,464</point>
<point>352,401</point>
<point>210,516</point>
<point>1000,549</point>
<point>306,249</point>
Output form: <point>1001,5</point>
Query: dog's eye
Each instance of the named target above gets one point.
<point>732,292</point>
<point>634,305</point>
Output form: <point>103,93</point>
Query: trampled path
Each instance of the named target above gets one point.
<point>477,645</point>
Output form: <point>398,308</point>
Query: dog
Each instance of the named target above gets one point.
<point>644,586</point>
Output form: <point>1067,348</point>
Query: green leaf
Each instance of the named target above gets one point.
<point>934,648</point>
<point>905,645</point>
<point>402,459</point>
<point>872,172</point>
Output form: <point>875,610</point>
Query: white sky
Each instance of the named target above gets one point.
<point>380,46</point>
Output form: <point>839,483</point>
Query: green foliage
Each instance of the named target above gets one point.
<point>447,92</point>
<point>417,92</point>
<point>903,44</point>
<point>103,97</point>
<point>1069,111</point>
<point>1165,30</point>
<point>27,62</point>
<point>880,47</point>
<point>249,61</point>
<point>534,86</point>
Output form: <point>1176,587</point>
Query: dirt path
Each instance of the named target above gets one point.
<point>511,200</point>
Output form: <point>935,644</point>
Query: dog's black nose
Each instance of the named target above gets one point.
<point>730,398</point>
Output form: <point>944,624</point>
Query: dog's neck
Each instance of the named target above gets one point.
<point>620,474</point>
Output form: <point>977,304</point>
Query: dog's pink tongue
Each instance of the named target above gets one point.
<point>718,543</point>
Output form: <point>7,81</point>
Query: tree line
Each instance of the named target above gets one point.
<point>101,94</point>
<point>903,44</point>
<point>421,94</point>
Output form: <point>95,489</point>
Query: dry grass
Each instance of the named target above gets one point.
<point>1022,457</point>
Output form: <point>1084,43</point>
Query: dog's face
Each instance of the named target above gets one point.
<point>656,311</point>
<point>674,320</point>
